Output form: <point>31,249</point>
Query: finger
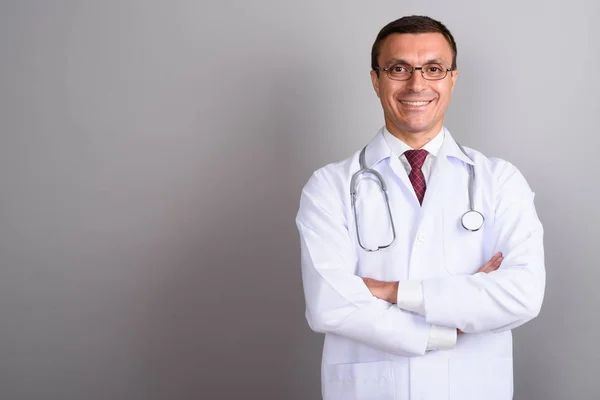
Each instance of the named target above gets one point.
<point>484,267</point>
<point>497,263</point>
<point>487,266</point>
<point>493,266</point>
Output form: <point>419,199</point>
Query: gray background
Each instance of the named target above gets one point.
<point>152,155</point>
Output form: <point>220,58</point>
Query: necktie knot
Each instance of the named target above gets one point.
<point>416,158</point>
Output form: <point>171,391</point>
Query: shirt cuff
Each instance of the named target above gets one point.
<point>441,338</point>
<point>410,296</point>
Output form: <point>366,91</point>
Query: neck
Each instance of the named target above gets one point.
<point>416,140</point>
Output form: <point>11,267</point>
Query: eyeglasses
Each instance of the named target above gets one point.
<point>403,72</point>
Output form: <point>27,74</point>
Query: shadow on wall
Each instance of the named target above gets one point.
<point>225,310</point>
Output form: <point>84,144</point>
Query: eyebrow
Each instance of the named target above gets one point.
<point>394,61</point>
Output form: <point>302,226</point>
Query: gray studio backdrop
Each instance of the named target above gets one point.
<point>152,155</point>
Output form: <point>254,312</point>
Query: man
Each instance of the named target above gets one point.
<point>418,302</point>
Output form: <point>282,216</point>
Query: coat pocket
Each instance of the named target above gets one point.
<point>358,381</point>
<point>489,379</point>
<point>463,249</point>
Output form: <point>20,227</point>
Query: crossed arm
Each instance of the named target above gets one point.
<point>506,292</point>
<point>388,291</point>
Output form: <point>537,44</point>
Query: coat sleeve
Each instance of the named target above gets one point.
<point>513,294</point>
<point>337,300</point>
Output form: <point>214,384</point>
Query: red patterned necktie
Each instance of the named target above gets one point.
<point>416,158</point>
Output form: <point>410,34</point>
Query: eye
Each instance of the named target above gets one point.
<point>433,69</point>
<point>399,68</point>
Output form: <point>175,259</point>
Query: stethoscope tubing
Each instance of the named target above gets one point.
<point>472,220</point>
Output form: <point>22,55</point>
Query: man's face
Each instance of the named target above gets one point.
<point>415,106</point>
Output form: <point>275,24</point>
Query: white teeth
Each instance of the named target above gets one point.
<point>414,103</point>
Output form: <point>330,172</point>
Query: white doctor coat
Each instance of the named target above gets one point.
<point>373,349</point>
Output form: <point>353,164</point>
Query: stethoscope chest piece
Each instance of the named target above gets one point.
<point>472,220</point>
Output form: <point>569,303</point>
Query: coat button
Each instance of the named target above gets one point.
<point>421,237</point>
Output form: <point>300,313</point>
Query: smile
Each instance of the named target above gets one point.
<point>415,103</point>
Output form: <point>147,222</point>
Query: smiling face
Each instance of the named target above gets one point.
<point>414,109</point>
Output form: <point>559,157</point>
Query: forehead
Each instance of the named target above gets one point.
<point>415,48</point>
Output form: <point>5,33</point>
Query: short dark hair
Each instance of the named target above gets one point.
<point>411,24</point>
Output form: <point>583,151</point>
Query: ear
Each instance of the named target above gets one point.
<point>454,77</point>
<point>375,81</point>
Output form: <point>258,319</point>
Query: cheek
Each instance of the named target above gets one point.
<point>445,92</point>
<point>386,97</point>
<point>389,90</point>
<point>446,100</point>
<point>390,94</point>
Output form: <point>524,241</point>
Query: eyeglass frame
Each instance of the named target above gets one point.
<point>413,69</point>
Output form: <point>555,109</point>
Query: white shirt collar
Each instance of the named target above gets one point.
<point>399,147</point>
<point>378,149</point>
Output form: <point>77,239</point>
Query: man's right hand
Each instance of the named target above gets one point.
<point>492,265</point>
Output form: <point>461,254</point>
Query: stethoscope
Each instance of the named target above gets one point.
<point>471,220</point>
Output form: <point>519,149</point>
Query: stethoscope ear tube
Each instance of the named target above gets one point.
<point>353,182</point>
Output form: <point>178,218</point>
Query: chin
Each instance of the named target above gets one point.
<point>417,128</point>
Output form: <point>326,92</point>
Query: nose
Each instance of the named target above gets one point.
<point>416,83</point>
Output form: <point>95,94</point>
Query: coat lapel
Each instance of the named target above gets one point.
<point>378,150</point>
<point>443,173</point>
<point>438,177</point>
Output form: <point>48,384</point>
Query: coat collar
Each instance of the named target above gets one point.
<point>378,150</point>
<point>451,148</point>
